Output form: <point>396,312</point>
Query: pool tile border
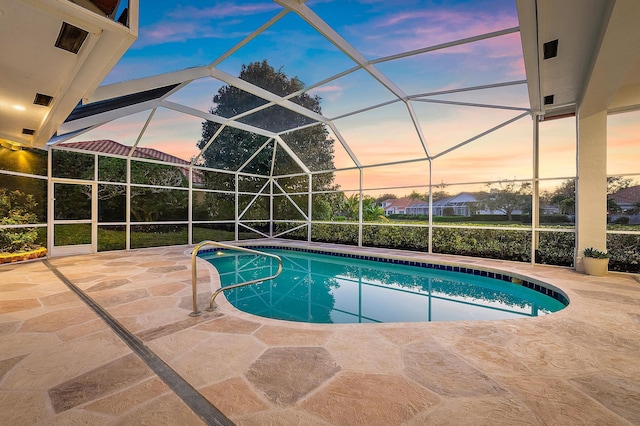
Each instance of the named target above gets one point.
<point>538,286</point>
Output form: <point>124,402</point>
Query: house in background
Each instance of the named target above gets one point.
<point>627,199</point>
<point>549,210</point>
<point>463,204</point>
<point>398,205</point>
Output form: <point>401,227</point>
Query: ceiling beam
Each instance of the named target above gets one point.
<point>115,90</point>
<point>528,22</point>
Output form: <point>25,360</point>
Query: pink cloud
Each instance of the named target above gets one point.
<point>409,30</point>
<point>188,23</point>
<point>163,32</point>
<point>331,92</point>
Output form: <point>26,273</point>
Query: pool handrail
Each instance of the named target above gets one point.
<point>194,273</point>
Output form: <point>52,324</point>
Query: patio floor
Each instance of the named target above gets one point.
<point>61,363</point>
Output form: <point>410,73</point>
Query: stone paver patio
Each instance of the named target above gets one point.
<point>60,363</point>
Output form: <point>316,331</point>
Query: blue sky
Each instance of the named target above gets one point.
<point>174,35</point>
<point>180,34</point>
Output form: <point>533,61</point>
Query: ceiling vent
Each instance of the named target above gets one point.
<point>550,49</point>
<point>548,100</point>
<point>44,100</point>
<point>28,131</point>
<point>71,38</point>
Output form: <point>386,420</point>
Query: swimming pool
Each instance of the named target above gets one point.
<point>322,288</point>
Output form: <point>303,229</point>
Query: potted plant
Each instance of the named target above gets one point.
<point>595,262</point>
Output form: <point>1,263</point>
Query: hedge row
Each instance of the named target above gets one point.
<point>554,248</point>
<point>555,218</point>
<point>625,252</point>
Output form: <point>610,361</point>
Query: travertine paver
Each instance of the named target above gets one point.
<point>369,399</point>
<point>286,375</point>
<point>235,396</point>
<point>441,371</point>
<point>104,380</point>
<point>577,366</point>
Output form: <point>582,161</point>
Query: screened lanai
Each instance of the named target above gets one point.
<point>295,120</point>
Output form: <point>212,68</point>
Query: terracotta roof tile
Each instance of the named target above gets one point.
<point>112,147</point>
<point>106,146</point>
<point>627,195</point>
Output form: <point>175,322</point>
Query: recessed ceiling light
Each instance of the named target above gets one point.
<point>19,108</point>
<point>44,100</point>
<point>550,49</point>
<point>71,38</point>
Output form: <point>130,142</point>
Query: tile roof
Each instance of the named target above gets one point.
<point>107,146</point>
<point>401,203</point>
<point>628,195</point>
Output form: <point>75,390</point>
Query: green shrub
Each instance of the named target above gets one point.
<point>488,243</point>
<point>298,234</point>
<point>494,218</point>
<point>555,248</point>
<point>450,219</point>
<point>400,237</point>
<point>622,220</point>
<point>409,217</point>
<point>554,218</point>
<point>595,253</point>
<point>624,250</point>
<point>332,233</point>
<point>16,208</point>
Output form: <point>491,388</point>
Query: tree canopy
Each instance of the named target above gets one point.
<point>233,147</point>
<point>507,196</point>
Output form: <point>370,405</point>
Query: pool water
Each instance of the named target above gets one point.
<point>319,288</point>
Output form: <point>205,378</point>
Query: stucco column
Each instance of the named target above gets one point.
<point>591,186</point>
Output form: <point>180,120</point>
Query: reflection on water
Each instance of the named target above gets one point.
<point>327,289</point>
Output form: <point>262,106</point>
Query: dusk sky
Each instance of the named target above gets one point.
<point>174,35</point>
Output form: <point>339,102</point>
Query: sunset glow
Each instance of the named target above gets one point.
<point>194,33</point>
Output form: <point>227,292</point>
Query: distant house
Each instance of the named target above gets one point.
<point>549,210</point>
<point>398,205</point>
<point>463,204</point>
<point>419,207</point>
<point>627,198</point>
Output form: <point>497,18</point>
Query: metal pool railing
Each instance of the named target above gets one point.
<point>194,273</point>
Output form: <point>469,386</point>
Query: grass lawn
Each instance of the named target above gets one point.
<point>113,237</point>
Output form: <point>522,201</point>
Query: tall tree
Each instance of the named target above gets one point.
<point>233,147</point>
<point>507,197</point>
<point>415,195</point>
<point>564,195</point>
<point>616,183</point>
<point>439,195</point>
